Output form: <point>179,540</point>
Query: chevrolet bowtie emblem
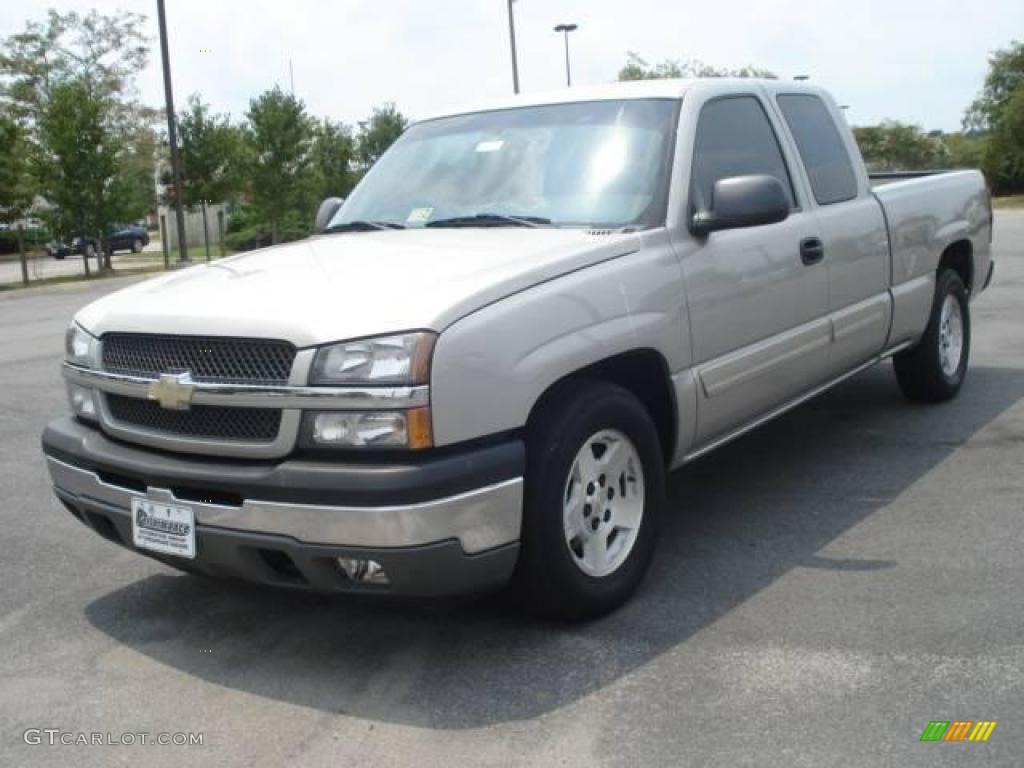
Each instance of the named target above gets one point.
<point>173,391</point>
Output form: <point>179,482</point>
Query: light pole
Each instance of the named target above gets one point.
<point>172,134</point>
<point>512,41</point>
<point>566,29</point>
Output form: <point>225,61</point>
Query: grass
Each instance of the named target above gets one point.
<point>196,254</point>
<point>81,278</point>
<point>1013,201</point>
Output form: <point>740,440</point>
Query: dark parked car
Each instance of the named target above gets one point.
<point>59,250</point>
<point>128,238</point>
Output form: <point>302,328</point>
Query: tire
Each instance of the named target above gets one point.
<point>90,251</point>
<point>934,370</point>
<point>136,246</point>
<point>559,573</point>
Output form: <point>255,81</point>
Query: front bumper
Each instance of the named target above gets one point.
<point>438,525</point>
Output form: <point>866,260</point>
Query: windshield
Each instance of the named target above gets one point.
<point>594,164</point>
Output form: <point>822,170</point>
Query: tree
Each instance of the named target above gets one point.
<point>998,112</point>
<point>637,68</point>
<point>892,145</point>
<point>334,156</point>
<point>210,157</point>
<point>80,69</point>
<point>15,182</point>
<point>379,132</point>
<point>279,139</point>
<point>80,158</point>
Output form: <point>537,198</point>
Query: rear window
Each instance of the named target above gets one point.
<point>821,148</point>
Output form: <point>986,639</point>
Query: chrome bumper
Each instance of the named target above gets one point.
<point>481,519</point>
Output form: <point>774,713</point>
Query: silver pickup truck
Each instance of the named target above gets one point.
<point>481,368</point>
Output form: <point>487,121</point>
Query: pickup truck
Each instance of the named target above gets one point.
<point>480,369</point>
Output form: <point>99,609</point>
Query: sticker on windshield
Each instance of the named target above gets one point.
<point>490,146</point>
<point>420,216</point>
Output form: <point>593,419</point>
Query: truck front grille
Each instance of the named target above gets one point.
<point>211,422</point>
<point>208,359</point>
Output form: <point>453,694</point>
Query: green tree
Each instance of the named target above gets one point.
<point>103,52</point>
<point>211,153</point>
<point>334,156</point>
<point>279,142</point>
<point>966,150</point>
<point>379,132</point>
<point>93,59</point>
<point>80,161</point>
<point>16,185</point>
<point>893,145</point>
<point>998,112</point>
<point>637,68</point>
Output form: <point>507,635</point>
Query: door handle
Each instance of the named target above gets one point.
<point>812,250</point>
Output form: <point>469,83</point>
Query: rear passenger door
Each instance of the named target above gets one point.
<point>856,245</point>
<point>758,312</point>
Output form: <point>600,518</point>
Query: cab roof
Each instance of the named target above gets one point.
<point>636,89</point>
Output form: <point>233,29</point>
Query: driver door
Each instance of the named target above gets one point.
<point>757,302</point>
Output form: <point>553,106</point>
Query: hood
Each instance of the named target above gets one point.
<point>350,285</point>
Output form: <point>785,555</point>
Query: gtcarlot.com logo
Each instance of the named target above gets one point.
<point>56,737</point>
<point>958,730</point>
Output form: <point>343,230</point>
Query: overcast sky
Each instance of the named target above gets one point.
<point>920,61</point>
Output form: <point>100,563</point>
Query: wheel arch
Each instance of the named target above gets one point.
<point>643,372</point>
<point>959,256</point>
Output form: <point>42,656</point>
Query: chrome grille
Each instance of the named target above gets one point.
<point>208,359</point>
<point>200,421</point>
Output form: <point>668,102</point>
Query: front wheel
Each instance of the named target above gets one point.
<point>136,245</point>
<point>934,370</point>
<point>595,489</point>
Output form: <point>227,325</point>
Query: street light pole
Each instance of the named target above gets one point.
<point>512,40</point>
<point>566,29</point>
<point>172,134</point>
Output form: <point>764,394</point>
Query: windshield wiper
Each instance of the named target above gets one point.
<point>362,226</point>
<point>491,220</point>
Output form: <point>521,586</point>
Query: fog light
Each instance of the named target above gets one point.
<point>83,405</point>
<point>362,571</point>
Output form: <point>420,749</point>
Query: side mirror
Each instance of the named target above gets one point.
<point>742,201</point>
<point>328,208</point>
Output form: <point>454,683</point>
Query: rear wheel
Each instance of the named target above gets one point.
<point>594,494</point>
<point>934,370</point>
<point>136,246</point>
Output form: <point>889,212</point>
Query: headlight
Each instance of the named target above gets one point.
<point>410,429</point>
<point>79,346</point>
<point>399,360</point>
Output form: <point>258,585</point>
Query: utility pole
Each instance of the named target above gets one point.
<point>512,40</point>
<point>291,77</point>
<point>172,134</point>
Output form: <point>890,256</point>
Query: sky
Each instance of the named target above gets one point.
<point>918,61</point>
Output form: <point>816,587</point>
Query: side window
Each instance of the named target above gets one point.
<point>821,148</point>
<point>734,138</point>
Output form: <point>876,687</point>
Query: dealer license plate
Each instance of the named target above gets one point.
<point>164,528</point>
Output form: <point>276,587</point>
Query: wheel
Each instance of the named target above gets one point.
<point>136,245</point>
<point>90,251</point>
<point>934,370</point>
<point>595,489</point>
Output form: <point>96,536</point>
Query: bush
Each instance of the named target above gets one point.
<point>247,230</point>
<point>34,238</point>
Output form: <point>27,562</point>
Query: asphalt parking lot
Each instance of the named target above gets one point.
<point>826,586</point>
